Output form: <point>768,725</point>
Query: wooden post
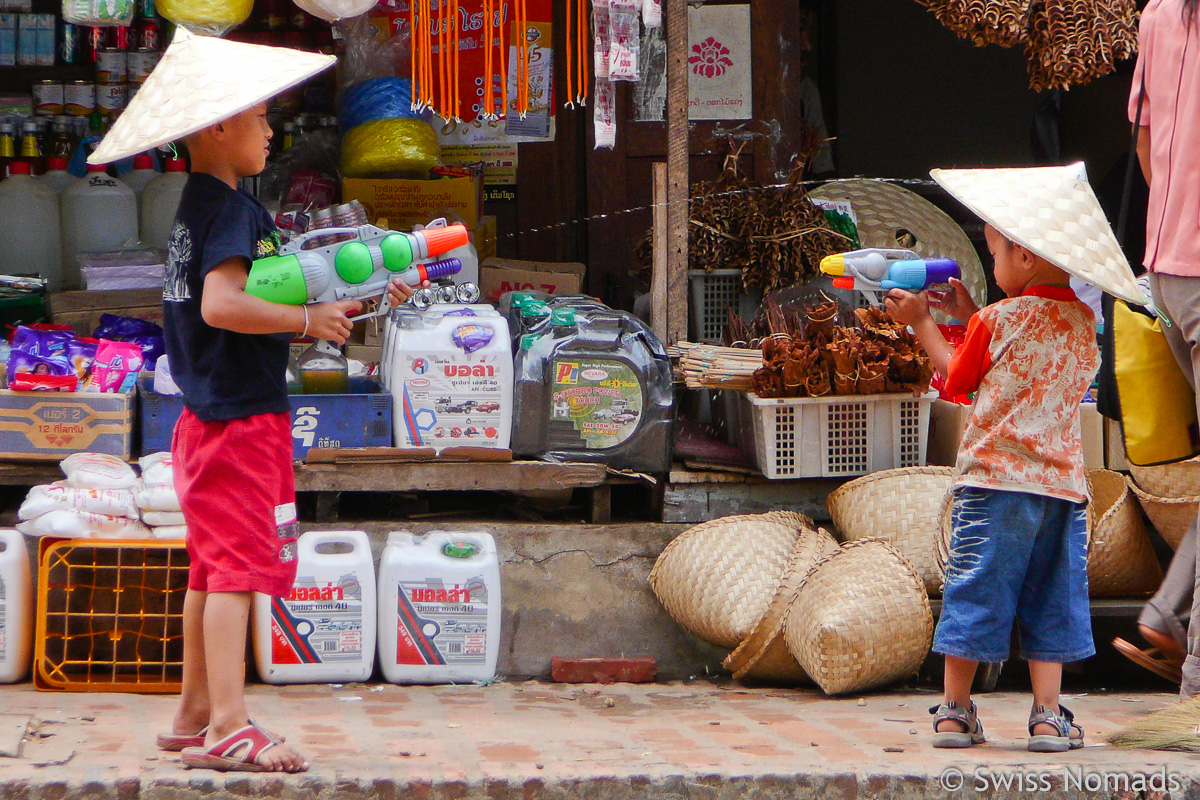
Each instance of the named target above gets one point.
<point>659,305</point>
<point>675,12</point>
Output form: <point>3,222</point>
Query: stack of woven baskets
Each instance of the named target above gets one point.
<point>1170,495</point>
<point>795,606</point>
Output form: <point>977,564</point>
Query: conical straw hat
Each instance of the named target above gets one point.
<point>1053,212</point>
<point>200,81</point>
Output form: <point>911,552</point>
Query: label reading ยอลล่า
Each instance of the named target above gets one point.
<point>441,624</point>
<point>602,399</point>
<point>318,623</point>
<point>453,401</point>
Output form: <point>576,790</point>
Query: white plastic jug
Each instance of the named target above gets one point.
<point>29,227</point>
<point>442,395</point>
<point>324,631</point>
<point>398,315</point>
<point>439,607</point>
<point>99,213</point>
<point>57,177</point>
<point>16,608</point>
<point>140,176</point>
<point>160,200</point>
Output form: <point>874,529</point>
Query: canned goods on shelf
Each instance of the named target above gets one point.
<point>141,63</point>
<point>146,34</point>
<point>112,66</point>
<point>79,98</point>
<point>48,98</point>
<point>112,97</point>
<point>69,43</point>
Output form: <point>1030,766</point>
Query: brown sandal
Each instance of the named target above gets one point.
<point>1153,659</point>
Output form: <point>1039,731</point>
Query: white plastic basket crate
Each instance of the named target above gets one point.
<point>711,294</point>
<point>835,436</point>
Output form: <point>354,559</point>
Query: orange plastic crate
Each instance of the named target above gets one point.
<point>110,615</point>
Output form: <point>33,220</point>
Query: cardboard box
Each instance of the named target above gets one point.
<point>49,426</point>
<point>947,420</point>
<point>500,275</point>
<point>82,310</point>
<point>407,203</point>
<point>486,237</point>
<point>366,353</point>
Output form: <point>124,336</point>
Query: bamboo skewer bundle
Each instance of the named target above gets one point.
<point>705,366</point>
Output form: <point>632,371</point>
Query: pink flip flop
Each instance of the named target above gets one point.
<point>237,752</point>
<point>174,742</point>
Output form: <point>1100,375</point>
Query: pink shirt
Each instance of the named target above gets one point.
<point>1169,55</point>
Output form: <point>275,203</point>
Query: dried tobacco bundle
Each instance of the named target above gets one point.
<point>821,322</point>
<point>768,382</point>
<point>873,361</point>
<point>844,347</point>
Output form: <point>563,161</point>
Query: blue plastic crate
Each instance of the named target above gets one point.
<point>360,419</point>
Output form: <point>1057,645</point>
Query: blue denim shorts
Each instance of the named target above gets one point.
<point>1021,556</point>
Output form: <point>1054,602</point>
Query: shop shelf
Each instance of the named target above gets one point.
<point>836,436</point>
<point>110,615</point>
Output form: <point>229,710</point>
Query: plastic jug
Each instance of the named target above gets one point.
<point>99,213</point>
<point>57,178</point>
<point>16,608</point>
<point>29,228</point>
<point>596,386</point>
<point>392,321</point>
<point>143,172</point>
<point>324,631</point>
<point>439,607</point>
<point>451,377</point>
<point>160,200</point>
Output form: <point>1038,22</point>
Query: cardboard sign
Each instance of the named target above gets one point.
<point>500,275</point>
<point>52,425</point>
<point>406,203</point>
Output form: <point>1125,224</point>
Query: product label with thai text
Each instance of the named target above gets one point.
<point>318,623</point>
<point>601,398</point>
<point>441,623</point>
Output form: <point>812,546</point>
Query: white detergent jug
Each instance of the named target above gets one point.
<point>160,200</point>
<point>451,377</point>
<point>99,213</point>
<point>397,315</point>
<point>29,227</point>
<point>324,631</point>
<point>439,607</point>
<point>16,608</point>
<point>140,176</point>
<point>57,177</point>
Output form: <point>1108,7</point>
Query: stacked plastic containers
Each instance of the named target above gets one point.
<point>29,227</point>
<point>160,201</point>
<point>439,608</point>
<point>16,608</point>
<point>99,213</point>
<point>324,630</point>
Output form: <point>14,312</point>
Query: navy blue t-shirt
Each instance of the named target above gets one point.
<point>223,375</point>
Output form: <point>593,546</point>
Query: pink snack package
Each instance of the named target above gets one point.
<point>116,367</point>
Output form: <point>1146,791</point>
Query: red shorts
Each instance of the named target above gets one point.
<point>237,490</point>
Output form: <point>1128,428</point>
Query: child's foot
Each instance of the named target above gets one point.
<point>1051,732</point>
<point>954,726</point>
<point>247,749</point>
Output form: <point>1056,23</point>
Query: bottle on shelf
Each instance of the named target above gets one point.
<point>8,147</point>
<point>57,177</point>
<point>31,151</point>
<point>62,140</point>
<point>289,136</point>
<point>29,227</point>
<point>99,213</point>
<point>160,200</point>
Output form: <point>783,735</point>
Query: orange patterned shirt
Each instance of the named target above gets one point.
<point>1030,359</point>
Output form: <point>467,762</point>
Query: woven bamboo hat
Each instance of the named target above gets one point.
<point>889,217</point>
<point>764,656</point>
<point>902,506</point>
<point>1053,212</point>
<point>717,579</point>
<point>862,619</point>
<point>200,81</point>
<point>1121,562</point>
<point>1178,479</point>
<point>1170,516</point>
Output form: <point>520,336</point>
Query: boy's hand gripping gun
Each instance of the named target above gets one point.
<point>872,271</point>
<point>357,269</point>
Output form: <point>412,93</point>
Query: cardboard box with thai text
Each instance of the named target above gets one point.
<point>500,275</point>
<point>49,426</point>
<point>408,203</point>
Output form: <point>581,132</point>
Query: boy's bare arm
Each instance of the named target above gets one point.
<point>913,310</point>
<point>226,305</point>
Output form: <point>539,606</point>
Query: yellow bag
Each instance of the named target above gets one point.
<point>1158,405</point>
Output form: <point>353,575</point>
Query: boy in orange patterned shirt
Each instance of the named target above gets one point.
<point>1019,544</point>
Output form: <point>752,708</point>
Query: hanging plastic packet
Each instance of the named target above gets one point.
<point>144,333</point>
<point>600,39</point>
<point>625,34</point>
<point>471,337</point>
<point>604,117</point>
<point>652,13</point>
<point>98,13</point>
<point>116,367</point>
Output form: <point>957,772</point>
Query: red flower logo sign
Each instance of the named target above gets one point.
<point>710,58</point>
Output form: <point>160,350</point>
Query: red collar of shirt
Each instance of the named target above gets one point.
<point>1050,292</point>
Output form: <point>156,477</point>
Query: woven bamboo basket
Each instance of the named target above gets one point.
<point>862,619</point>
<point>1170,516</point>
<point>1121,562</point>
<point>1180,479</point>
<point>717,579</point>
<point>764,656</point>
<point>901,506</point>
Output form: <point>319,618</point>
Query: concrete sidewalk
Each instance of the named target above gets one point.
<point>536,740</point>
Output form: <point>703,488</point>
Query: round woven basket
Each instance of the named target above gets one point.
<point>764,656</point>
<point>717,579</point>
<point>901,506</point>
<point>1170,516</point>
<point>1180,479</point>
<point>861,619</point>
<point>1121,562</point>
